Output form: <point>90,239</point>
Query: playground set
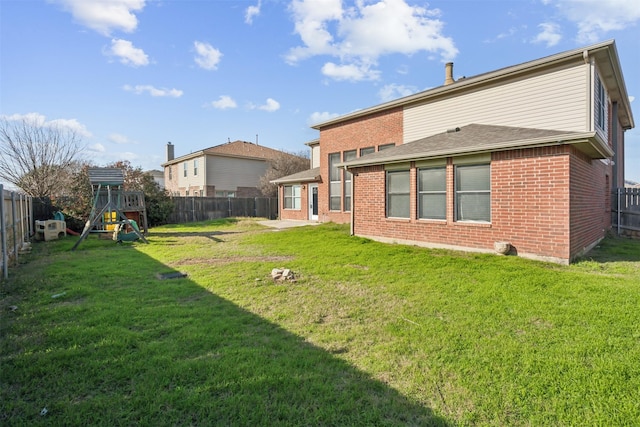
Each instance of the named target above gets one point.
<point>114,210</point>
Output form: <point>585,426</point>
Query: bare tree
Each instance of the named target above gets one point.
<point>282,165</point>
<point>35,156</point>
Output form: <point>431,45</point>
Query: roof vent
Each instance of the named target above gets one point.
<point>453,130</point>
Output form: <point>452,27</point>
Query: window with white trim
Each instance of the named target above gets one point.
<point>195,167</point>
<point>292,198</point>
<point>347,156</point>
<point>397,194</point>
<point>185,166</point>
<point>170,174</point>
<point>473,193</point>
<point>432,193</point>
<point>335,183</point>
<point>601,103</point>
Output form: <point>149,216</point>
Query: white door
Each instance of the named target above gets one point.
<point>312,196</point>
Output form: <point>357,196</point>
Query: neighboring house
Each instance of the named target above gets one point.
<point>158,177</point>
<point>233,169</point>
<point>526,155</point>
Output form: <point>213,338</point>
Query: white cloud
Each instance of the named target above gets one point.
<point>394,91</point>
<point>117,138</point>
<point>631,98</point>
<point>224,102</point>
<point>351,72</point>
<point>207,56</point>
<point>97,148</point>
<point>318,117</point>
<point>153,91</point>
<point>549,34</point>
<point>104,16</point>
<point>595,18</point>
<point>271,105</point>
<point>37,119</point>
<point>128,53</point>
<point>251,12</point>
<point>359,35</point>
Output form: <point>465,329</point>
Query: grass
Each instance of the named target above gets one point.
<point>368,334</point>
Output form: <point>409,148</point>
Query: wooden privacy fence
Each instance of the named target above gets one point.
<point>16,226</point>
<point>192,209</point>
<point>626,211</point>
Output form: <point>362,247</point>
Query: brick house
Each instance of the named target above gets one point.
<point>525,155</point>
<point>233,169</point>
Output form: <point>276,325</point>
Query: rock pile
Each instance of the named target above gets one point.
<point>282,274</point>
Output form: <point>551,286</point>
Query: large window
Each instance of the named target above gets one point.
<point>335,183</point>
<point>398,194</point>
<point>347,156</point>
<point>432,193</point>
<point>473,193</point>
<point>601,104</point>
<point>292,197</point>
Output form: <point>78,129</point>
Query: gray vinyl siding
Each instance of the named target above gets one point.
<point>190,181</point>
<point>557,99</point>
<point>229,173</point>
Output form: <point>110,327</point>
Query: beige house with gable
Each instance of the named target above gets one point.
<point>233,169</point>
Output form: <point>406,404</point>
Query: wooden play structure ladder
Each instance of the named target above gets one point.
<point>109,210</point>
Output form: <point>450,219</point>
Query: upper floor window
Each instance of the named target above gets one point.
<point>170,173</point>
<point>601,103</point>
<point>185,168</point>
<point>335,183</point>
<point>195,167</point>
<point>347,156</point>
<point>398,194</point>
<point>473,193</point>
<point>367,150</point>
<point>386,146</point>
<point>432,193</point>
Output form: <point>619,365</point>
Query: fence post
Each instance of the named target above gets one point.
<point>3,231</point>
<point>619,213</point>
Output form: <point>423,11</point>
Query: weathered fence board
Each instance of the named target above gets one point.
<point>192,209</point>
<point>625,210</point>
<point>16,226</point>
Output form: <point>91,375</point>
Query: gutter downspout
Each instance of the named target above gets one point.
<point>353,203</point>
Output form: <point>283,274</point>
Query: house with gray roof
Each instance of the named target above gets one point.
<point>232,169</point>
<point>520,160</point>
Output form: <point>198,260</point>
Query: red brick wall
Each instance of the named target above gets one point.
<point>373,130</point>
<point>590,201</point>
<point>530,206</point>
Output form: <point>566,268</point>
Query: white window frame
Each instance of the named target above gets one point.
<point>398,195</point>
<point>426,193</point>
<point>185,167</point>
<point>335,182</point>
<point>195,167</point>
<point>461,213</point>
<point>347,156</point>
<point>292,195</point>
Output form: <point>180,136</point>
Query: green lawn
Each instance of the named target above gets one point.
<point>368,334</point>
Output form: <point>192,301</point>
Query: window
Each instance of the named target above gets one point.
<point>398,194</point>
<point>170,174</point>
<point>185,168</point>
<point>367,150</point>
<point>347,156</point>
<point>386,146</point>
<point>473,193</point>
<point>334,182</point>
<point>186,193</point>
<point>601,104</point>
<point>292,197</point>
<point>432,193</point>
<point>195,167</point>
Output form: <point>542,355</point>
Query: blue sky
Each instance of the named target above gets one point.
<point>131,75</point>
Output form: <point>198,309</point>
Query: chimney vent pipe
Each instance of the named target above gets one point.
<point>448,73</point>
